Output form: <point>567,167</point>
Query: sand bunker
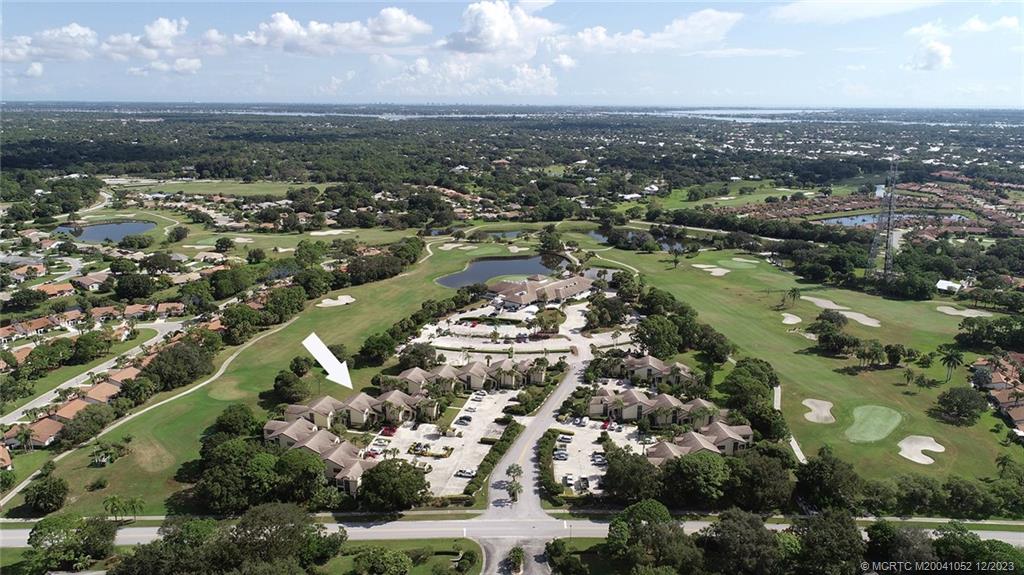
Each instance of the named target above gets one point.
<point>823,303</point>
<point>912,447</point>
<point>809,335</point>
<point>790,319</point>
<point>330,232</point>
<point>468,248</point>
<point>517,249</point>
<point>449,247</point>
<point>854,315</point>
<point>820,411</point>
<point>713,270</point>
<point>283,250</point>
<point>243,240</point>
<point>745,260</point>
<point>726,198</point>
<point>340,300</point>
<point>950,310</point>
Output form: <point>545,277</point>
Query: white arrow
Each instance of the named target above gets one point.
<point>337,371</point>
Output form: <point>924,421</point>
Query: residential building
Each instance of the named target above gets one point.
<point>538,289</point>
<point>56,290</point>
<point>652,371</point>
<point>344,462</point>
<point>660,410</point>
<point>718,437</point>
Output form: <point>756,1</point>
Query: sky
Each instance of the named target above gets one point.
<point>811,53</point>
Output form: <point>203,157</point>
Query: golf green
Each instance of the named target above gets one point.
<point>872,423</point>
<point>735,265</point>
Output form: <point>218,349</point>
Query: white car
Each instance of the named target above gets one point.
<point>584,422</point>
<point>564,438</point>
<point>467,473</point>
<point>560,456</point>
<point>569,479</point>
<point>470,409</point>
<point>476,398</point>
<point>381,442</point>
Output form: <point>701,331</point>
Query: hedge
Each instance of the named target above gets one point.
<point>483,471</point>
<point>549,485</point>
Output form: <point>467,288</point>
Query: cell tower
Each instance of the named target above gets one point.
<point>882,243</point>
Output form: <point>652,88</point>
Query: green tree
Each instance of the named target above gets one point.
<point>658,336</point>
<point>951,358</point>
<point>300,475</point>
<point>697,480</point>
<point>961,405</point>
<point>394,484</point>
<point>224,245</point>
<point>830,544</point>
<point>826,482</point>
<point>739,544</point>
<point>375,560</point>
<point>46,494</point>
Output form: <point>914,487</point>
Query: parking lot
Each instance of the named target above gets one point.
<point>467,451</point>
<point>585,442</point>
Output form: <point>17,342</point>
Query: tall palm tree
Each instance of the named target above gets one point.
<point>24,437</point>
<point>1003,461</point>
<point>515,471</point>
<point>514,489</point>
<point>908,375</point>
<point>114,505</point>
<point>793,294</point>
<point>952,358</point>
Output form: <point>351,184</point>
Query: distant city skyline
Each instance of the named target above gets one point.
<point>802,53</point>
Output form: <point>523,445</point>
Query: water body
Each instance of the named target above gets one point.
<point>481,270</point>
<point>505,235</point>
<point>665,245</point>
<point>115,231</point>
<point>865,219</point>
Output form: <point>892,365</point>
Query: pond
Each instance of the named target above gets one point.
<point>114,231</point>
<point>865,219</point>
<point>666,245</point>
<point>481,270</point>
<point>505,235</point>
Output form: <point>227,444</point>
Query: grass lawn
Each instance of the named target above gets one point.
<point>169,436</point>
<point>27,462</point>
<point>742,305</point>
<point>444,551</point>
<point>587,548</point>
<point>12,561</point>
<point>446,419</point>
<point>225,187</point>
<point>62,374</point>
<point>763,188</point>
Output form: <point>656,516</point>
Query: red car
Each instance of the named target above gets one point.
<point>387,431</point>
<point>606,424</point>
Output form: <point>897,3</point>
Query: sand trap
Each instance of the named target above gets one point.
<point>713,270</point>
<point>243,240</point>
<point>283,250</point>
<point>517,249</point>
<point>448,247</point>
<point>810,336</point>
<point>862,319</point>
<point>330,232</point>
<point>468,248</point>
<point>340,300</point>
<point>854,315</point>
<point>194,246</point>
<point>745,260</point>
<point>912,447</point>
<point>790,319</point>
<point>726,198</point>
<point>820,411</point>
<point>823,303</point>
<point>950,310</point>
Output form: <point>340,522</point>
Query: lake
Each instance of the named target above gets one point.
<point>505,235</point>
<point>865,219</point>
<point>481,270</point>
<point>665,245</point>
<point>114,231</point>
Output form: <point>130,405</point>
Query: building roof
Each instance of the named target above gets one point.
<point>102,392</point>
<point>70,409</point>
<point>5,456</point>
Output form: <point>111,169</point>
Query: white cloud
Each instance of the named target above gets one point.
<point>34,70</point>
<point>976,24</point>
<point>161,32</point>
<point>183,66</point>
<point>390,27</point>
<point>334,86</point>
<point>564,61</point>
<point>384,60</point>
<point>420,66</point>
<point>748,52</point>
<point>71,42</point>
<point>497,27</point>
<point>213,41</point>
<point>933,29</point>
<point>700,28</point>
<point>126,46</point>
<point>531,6</point>
<point>842,11</point>
<point>933,55</point>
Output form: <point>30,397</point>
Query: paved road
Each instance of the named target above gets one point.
<point>76,266</point>
<point>162,328</point>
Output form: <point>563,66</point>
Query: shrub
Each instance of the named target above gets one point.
<point>483,471</point>
<point>97,484</point>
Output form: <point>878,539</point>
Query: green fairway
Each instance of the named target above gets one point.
<point>166,437</point>
<point>872,423</point>
<point>731,196</point>
<point>62,374</point>
<point>743,305</point>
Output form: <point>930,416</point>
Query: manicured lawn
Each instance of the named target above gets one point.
<point>763,188</point>
<point>165,438</point>
<point>444,551</point>
<point>62,374</point>
<point>742,305</point>
<point>587,548</point>
<point>449,414</point>
<point>27,462</point>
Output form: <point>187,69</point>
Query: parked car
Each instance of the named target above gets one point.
<point>476,398</point>
<point>576,421</point>
<point>584,422</point>
<point>467,473</point>
<point>564,438</point>
<point>387,431</point>
<point>569,479</point>
<point>606,424</point>
<point>560,456</point>
<point>380,441</point>
<point>471,409</point>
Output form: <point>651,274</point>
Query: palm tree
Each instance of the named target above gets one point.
<point>793,294</point>
<point>1003,461</point>
<point>114,506</point>
<point>24,437</point>
<point>514,488</point>
<point>908,375</point>
<point>515,471</point>
<point>952,358</point>
<point>134,505</point>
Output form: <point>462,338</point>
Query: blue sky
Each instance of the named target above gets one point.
<point>802,53</point>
